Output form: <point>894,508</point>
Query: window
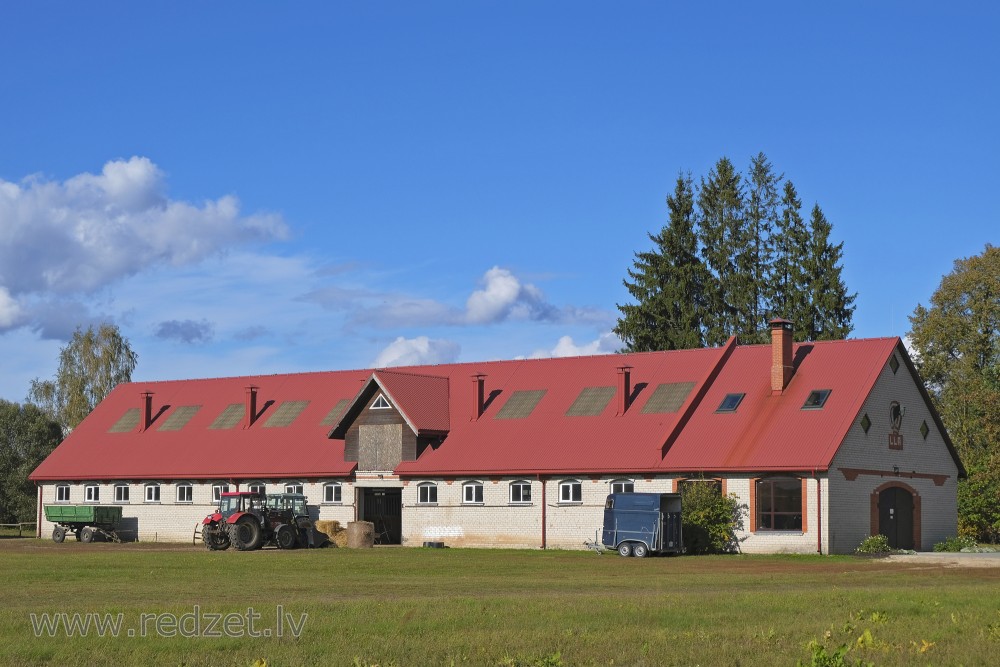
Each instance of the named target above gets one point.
<point>121,493</point>
<point>332,493</point>
<point>92,493</point>
<point>62,493</point>
<point>816,399</point>
<point>730,402</point>
<point>698,483</point>
<point>779,503</point>
<point>472,492</point>
<point>570,491</point>
<point>218,490</point>
<point>152,493</point>
<point>520,492</point>
<point>185,493</point>
<point>381,404</point>
<point>427,494</point>
<point>293,487</point>
<point>622,486</point>
<point>257,488</point>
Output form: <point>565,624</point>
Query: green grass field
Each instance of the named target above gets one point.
<point>401,606</point>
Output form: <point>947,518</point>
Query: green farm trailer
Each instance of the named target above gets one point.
<point>85,521</point>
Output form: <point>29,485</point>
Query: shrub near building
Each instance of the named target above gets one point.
<point>711,520</point>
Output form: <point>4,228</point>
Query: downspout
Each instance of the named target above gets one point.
<point>38,524</point>
<point>544,504</point>
<point>819,514</point>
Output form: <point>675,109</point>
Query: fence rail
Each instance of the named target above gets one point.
<point>20,527</point>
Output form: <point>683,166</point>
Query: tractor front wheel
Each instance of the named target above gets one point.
<point>216,538</point>
<point>285,536</point>
<point>246,534</point>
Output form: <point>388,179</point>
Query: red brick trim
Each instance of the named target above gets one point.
<point>724,487</point>
<point>753,504</point>
<point>851,474</point>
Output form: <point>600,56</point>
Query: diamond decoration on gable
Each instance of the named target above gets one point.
<point>924,430</point>
<point>866,423</point>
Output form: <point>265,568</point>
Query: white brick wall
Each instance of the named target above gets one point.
<point>850,518</point>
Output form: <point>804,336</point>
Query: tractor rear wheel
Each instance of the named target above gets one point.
<point>246,534</point>
<point>87,535</point>
<point>285,536</point>
<point>58,534</point>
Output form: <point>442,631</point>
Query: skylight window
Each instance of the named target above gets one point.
<point>816,399</point>
<point>730,402</point>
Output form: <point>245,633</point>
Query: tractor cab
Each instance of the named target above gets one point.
<point>293,502</point>
<point>234,502</point>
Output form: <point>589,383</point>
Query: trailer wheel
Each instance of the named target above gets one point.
<point>87,535</point>
<point>625,549</point>
<point>58,534</point>
<point>246,534</point>
<point>640,550</point>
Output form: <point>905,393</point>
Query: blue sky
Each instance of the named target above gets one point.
<point>254,188</point>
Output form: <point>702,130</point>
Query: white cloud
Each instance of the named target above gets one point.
<point>505,297</point>
<point>417,351</point>
<point>10,311</point>
<point>607,343</point>
<point>74,237</point>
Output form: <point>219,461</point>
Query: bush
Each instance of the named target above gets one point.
<point>876,544</point>
<point>711,520</point>
<point>956,544</point>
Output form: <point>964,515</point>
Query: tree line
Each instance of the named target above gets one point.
<point>735,253</point>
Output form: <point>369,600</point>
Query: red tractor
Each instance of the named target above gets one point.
<point>248,521</point>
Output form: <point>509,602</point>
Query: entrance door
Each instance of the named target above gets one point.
<point>384,508</point>
<point>895,517</point>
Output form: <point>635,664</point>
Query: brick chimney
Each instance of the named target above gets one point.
<point>478,396</point>
<point>250,407</point>
<point>146,405</point>
<point>624,390</point>
<point>781,355</point>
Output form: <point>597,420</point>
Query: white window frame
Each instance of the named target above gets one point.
<point>61,491</point>
<point>152,493</point>
<point>521,484</point>
<point>333,493</point>
<point>184,490</point>
<point>217,490</point>
<point>92,494</point>
<point>425,491</point>
<point>566,494</point>
<point>122,494</point>
<point>470,491</point>
<point>294,487</point>
<point>258,487</point>
<point>622,483</point>
<point>381,403</point>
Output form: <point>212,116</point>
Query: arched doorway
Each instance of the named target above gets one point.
<point>896,514</point>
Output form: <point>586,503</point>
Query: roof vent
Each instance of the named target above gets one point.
<point>147,411</point>
<point>624,389</point>
<point>478,396</point>
<point>250,407</point>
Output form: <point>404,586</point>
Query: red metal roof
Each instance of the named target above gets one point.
<point>766,432</point>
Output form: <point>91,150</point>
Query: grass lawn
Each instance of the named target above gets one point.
<point>402,606</point>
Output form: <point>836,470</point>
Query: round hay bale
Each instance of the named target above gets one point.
<point>360,534</point>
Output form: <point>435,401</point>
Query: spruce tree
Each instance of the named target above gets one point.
<point>791,297</point>
<point>754,291</point>
<point>721,222</point>
<point>831,307</point>
<point>667,284</point>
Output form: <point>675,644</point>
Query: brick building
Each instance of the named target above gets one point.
<point>824,443</point>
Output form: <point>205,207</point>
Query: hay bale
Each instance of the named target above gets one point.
<point>331,528</point>
<point>360,534</point>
